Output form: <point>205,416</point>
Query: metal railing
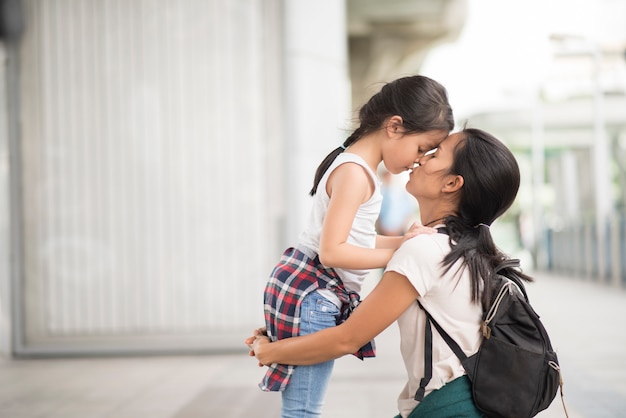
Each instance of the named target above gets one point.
<point>583,250</point>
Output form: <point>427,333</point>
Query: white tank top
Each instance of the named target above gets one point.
<point>363,231</point>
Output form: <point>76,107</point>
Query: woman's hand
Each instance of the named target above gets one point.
<point>417,229</point>
<point>253,342</point>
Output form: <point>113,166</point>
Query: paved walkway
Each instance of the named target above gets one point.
<point>584,320</point>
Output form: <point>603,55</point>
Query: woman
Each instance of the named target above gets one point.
<point>469,181</point>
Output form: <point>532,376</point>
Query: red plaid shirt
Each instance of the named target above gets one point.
<point>295,276</point>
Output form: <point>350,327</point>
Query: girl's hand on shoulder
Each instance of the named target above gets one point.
<point>417,229</point>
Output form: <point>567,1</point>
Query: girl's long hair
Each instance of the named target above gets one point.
<point>420,101</point>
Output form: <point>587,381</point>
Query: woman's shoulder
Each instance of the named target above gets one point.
<point>419,259</point>
<point>423,249</point>
<point>428,243</point>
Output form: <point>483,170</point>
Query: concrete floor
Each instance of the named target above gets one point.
<point>585,321</point>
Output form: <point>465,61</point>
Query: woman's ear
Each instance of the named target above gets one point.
<point>394,125</point>
<point>453,183</point>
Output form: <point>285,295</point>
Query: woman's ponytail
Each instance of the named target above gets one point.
<point>491,180</point>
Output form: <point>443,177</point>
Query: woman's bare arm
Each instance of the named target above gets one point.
<point>389,299</point>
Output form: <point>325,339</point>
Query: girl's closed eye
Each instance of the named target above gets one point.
<point>430,153</point>
<point>425,151</point>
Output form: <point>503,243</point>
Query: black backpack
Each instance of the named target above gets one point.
<point>515,372</point>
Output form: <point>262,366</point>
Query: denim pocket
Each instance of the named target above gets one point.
<point>317,313</point>
<point>323,305</point>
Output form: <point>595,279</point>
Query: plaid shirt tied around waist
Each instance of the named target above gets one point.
<point>295,276</point>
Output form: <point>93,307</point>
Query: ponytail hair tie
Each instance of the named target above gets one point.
<point>343,147</point>
<point>482,224</point>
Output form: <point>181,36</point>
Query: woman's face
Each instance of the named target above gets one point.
<point>433,172</point>
<point>401,154</point>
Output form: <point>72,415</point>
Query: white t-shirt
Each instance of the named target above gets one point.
<point>447,297</point>
<point>362,232</point>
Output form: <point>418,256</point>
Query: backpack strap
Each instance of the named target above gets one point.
<point>428,360</point>
<point>428,347</point>
<point>428,351</point>
<point>512,263</point>
<point>456,349</point>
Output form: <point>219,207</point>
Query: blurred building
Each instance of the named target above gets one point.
<point>155,156</point>
<point>557,96</point>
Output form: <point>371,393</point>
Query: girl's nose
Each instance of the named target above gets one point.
<point>427,156</point>
<point>421,160</point>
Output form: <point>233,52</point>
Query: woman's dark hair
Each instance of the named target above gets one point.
<point>491,181</point>
<point>421,102</point>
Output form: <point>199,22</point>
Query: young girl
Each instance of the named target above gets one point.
<point>315,285</point>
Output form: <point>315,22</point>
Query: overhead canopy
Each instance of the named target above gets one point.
<point>390,38</point>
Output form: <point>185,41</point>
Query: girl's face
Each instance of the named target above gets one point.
<point>401,154</point>
<point>433,171</point>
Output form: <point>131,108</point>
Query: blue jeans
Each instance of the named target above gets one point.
<point>304,395</point>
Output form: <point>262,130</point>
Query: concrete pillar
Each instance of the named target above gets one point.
<point>538,164</point>
<point>317,97</point>
<point>5,230</point>
<point>602,177</point>
<point>616,261</point>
